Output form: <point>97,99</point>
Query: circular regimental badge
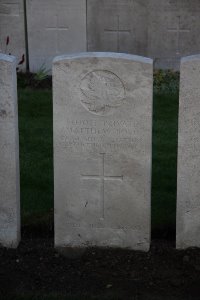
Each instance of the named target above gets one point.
<point>102,92</point>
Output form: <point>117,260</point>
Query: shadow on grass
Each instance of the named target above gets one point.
<point>165,127</point>
<point>36,159</point>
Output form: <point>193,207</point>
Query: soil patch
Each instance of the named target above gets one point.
<point>163,273</point>
<point>34,81</point>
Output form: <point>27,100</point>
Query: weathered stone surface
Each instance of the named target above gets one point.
<point>165,30</point>
<point>9,155</point>
<point>12,26</point>
<point>54,28</point>
<point>117,26</point>
<point>173,31</point>
<point>188,193</point>
<point>102,150</point>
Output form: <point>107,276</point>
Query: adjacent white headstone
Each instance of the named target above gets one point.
<point>173,31</point>
<point>9,155</point>
<point>117,26</point>
<point>54,28</point>
<point>188,192</point>
<point>164,30</point>
<point>12,29</point>
<point>102,150</point>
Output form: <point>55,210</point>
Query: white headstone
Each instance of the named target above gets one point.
<point>117,26</point>
<point>178,22</point>
<point>188,183</point>
<point>54,28</point>
<point>102,150</point>
<point>9,155</point>
<point>138,27</point>
<point>12,27</point>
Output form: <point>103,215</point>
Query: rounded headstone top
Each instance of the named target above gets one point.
<point>8,58</point>
<point>190,58</point>
<point>111,55</point>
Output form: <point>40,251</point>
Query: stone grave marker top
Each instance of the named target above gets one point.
<point>102,150</point>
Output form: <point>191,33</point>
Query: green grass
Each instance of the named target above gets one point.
<point>165,127</point>
<point>36,157</point>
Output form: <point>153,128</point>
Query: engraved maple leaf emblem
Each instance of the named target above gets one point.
<point>102,91</point>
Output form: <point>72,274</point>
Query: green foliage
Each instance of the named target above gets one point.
<point>166,81</point>
<point>42,73</point>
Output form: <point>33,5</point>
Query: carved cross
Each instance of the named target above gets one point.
<point>118,31</point>
<point>102,178</point>
<point>57,29</point>
<point>178,30</point>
